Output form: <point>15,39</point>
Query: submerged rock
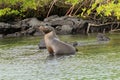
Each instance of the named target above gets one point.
<point>102,37</point>
<point>41,44</point>
<point>1,35</point>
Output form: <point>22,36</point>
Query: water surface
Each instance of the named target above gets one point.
<point>20,59</point>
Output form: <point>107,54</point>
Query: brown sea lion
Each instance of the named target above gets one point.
<point>54,45</point>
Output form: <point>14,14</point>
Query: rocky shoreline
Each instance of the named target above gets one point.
<point>62,25</point>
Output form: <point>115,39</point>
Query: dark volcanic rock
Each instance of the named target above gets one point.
<point>62,22</point>
<point>74,25</point>
<point>42,45</point>
<point>64,29</point>
<point>37,33</point>
<point>1,35</point>
<point>72,43</point>
<point>30,31</point>
<point>34,22</point>
<point>102,37</point>
<point>4,25</point>
<point>50,18</point>
<point>62,25</point>
<point>24,27</point>
<point>6,28</point>
<point>29,26</point>
<point>17,34</point>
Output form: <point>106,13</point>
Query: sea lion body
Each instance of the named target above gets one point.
<point>54,45</point>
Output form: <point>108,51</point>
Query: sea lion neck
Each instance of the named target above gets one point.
<point>51,35</point>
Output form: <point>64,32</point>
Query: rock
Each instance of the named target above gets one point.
<point>23,24</point>
<point>37,33</point>
<point>80,28</point>
<point>74,19</point>
<point>23,33</point>
<point>4,25</point>
<point>59,18</point>
<point>61,22</point>
<point>77,25</point>
<point>27,23</point>
<point>62,25</point>
<point>30,31</point>
<point>67,24</point>
<point>24,27</point>
<point>42,45</point>
<point>102,37</point>
<point>1,35</point>
<point>10,30</point>
<point>50,18</point>
<point>72,43</point>
<point>17,34</point>
<point>45,24</point>
<point>65,29</point>
<point>34,22</point>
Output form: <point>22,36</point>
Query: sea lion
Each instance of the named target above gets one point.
<point>53,43</point>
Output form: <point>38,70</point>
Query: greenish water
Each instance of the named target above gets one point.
<point>20,59</point>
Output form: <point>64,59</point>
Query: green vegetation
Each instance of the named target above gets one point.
<point>20,8</point>
<point>110,9</point>
<point>101,9</point>
<point>106,10</point>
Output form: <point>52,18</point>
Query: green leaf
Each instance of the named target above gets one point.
<point>99,9</point>
<point>88,11</point>
<point>4,11</point>
<point>94,5</point>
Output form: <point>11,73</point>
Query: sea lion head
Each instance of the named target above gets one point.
<point>46,29</point>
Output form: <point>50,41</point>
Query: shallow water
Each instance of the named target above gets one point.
<point>20,59</point>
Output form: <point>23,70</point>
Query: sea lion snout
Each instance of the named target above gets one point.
<point>46,29</point>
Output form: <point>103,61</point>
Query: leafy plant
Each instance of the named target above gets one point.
<point>87,8</point>
<point>103,9</point>
<point>20,7</point>
<point>73,2</point>
<point>4,11</point>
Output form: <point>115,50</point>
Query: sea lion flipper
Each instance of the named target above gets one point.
<point>50,50</point>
